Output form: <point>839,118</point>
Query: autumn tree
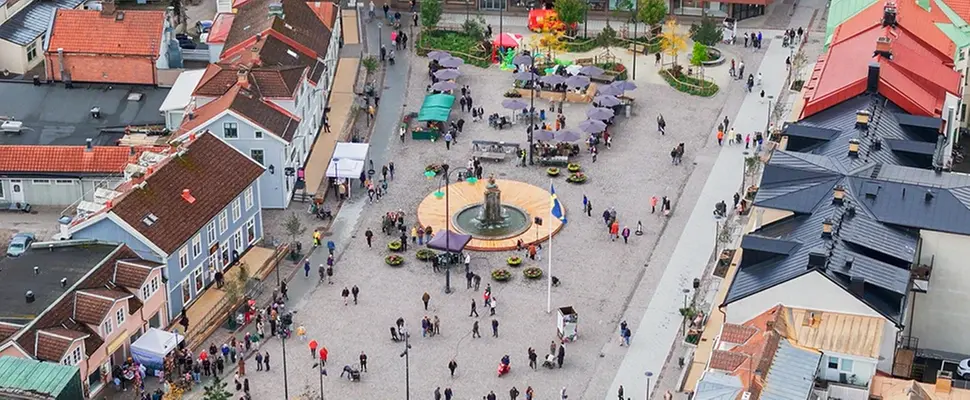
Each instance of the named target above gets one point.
<point>672,43</point>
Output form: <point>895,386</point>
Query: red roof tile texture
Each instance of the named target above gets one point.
<point>214,172</point>
<point>128,32</point>
<point>65,159</point>
<point>726,360</point>
<point>132,274</point>
<point>220,28</point>
<point>737,334</point>
<point>91,309</point>
<point>7,330</point>
<point>271,82</point>
<point>50,347</point>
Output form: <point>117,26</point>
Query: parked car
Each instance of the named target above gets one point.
<point>19,244</point>
<point>963,370</point>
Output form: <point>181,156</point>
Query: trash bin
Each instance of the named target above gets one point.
<point>627,110</point>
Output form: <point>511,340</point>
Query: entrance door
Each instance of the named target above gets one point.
<point>17,191</point>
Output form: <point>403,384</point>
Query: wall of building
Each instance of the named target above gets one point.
<point>939,317</point>
<point>813,291</point>
<point>12,351</point>
<point>104,68</point>
<point>106,230</point>
<point>61,191</point>
<point>272,186</point>
<point>859,370</point>
<point>13,58</point>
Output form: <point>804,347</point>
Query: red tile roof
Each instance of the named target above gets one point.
<point>301,27</point>
<point>961,7</point>
<point>91,309</point>
<point>726,360</point>
<point>66,159</point>
<point>916,78</point>
<point>737,334</point>
<point>7,330</point>
<point>132,273</point>
<point>268,82</point>
<point>247,104</point>
<point>220,28</point>
<point>50,347</point>
<point>128,32</point>
<point>326,11</point>
<point>214,172</point>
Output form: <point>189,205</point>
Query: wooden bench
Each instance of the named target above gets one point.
<point>557,161</point>
<point>636,48</point>
<point>583,61</point>
<point>603,78</point>
<point>489,155</point>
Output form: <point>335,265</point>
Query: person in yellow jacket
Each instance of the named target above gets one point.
<point>316,237</point>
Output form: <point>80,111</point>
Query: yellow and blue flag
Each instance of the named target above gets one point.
<point>556,208</point>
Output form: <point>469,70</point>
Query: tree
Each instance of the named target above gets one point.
<point>570,12</point>
<point>294,227</point>
<point>709,32</point>
<point>430,13</point>
<point>652,12</point>
<point>370,64</point>
<point>217,390</point>
<point>671,42</point>
<point>549,39</point>
<point>475,28</point>
<point>699,54</point>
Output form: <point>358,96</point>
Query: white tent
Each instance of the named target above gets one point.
<point>152,347</point>
<point>348,160</point>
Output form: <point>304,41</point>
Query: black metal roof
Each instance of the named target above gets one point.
<point>32,21</point>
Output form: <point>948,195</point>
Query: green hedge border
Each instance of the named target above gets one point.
<point>692,86</point>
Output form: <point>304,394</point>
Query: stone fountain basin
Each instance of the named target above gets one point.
<point>466,221</point>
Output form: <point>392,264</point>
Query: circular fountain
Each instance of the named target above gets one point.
<point>491,219</point>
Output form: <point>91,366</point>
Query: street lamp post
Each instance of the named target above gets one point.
<point>648,374</point>
<point>466,10</point>
<point>321,373</point>
<point>286,385</point>
<point>686,292</point>
<point>532,104</point>
<point>380,35</point>
<point>586,21</point>
<point>636,24</point>
<point>768,121</point>
<point>447,179</point>
<point>407,367</point>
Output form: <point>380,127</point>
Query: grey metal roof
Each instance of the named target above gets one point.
<point>715,385</point>
<point>811,132</point>
<point>792,373</point>
<point>911,146</point>
<point>32,21</point>
<point>919,121</point>
<point>55,115</point>
<point>768,245</point>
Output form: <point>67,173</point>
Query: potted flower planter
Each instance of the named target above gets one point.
<point>532,272</point>
<point>394,245</point>
<point>574,167</point>
<point>577,178</point>
<point>726,256</point>
<point>552,171</point>
<point>751,192</point>
<point>501,275</point>
<point>394,260</point>
<point>425,254</point>
<point>514,261</point>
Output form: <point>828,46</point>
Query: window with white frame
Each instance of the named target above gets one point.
<point>225,254</point>
<point>258,134</point>
<point>249,197</point>
<point>199,280</point>
<point>41,181</point>
<point>223,221</point>
<point>257,155</point>
<point>237,241</point>
<point>251,230</point>
<point>214,261</point>
<point>120,316</point>
<point>106,328</point>
<point>211,233</point>
<point>196,246</point>
<point>1,190</point>
<point>64,181</point>
<point>230,130</point>
<point>156,283</point>
<point>31,51</point>
<point>236,210</point>
<point>183,257</point>
<point>186,292</point>
<point>146,291</point>
<point>73,357</point>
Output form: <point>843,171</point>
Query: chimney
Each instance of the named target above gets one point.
<point>928,196</point>
<point>29,296</point>
<point>276,10</point>
<point>862,118</point>
<point>131,151</point>
<point>36,270</point>
<point>187,196</point>
<point>853,147</point>
<point>857,285</point>
<point>817,259</point>
<point>876,144</point>
<point>108,7</point>
<point>827,229</point>
<point>884,47</point>
<point>943,383</point>
<point>872,82</point>
<point>242,77</point>
<point>838,195</point>
<point>89,144</point>
<point>889,14</point>
<point>848,262</point>
<point>63,283</point>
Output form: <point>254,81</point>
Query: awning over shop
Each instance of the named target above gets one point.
<point>449,241</point>
<point>348,160</point>
<point>436,107</point>
<point>152,347</point>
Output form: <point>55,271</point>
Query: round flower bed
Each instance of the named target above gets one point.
<point>425,254</point>
<point>532,272</point>
<point>577,178</point>
<point>501,274</point>
<point>394,245</point>
<point>514,261</point>
<point>552,171</point>
<point>574,167</point>
<point>394,260</point>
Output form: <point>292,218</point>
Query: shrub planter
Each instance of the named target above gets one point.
<point>714,57</point>
<point>394,245</point>
<point>552,171</point>
<point>394,260</point>
<point>577,178</point>
<point>425,254</point>
<point>514,261</point>
<point>574,167</point>
<point>532,272</point>
<point>751,192</point>
<point>501,275</point>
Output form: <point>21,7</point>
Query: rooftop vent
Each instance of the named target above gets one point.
<point>119,16</point>
<point>850,211</point>
<point>884,47</point>
<point>96,112</point>
<point>871,190</point>
<point>817,259</point>
<point>36,270</point>
<point>876,144</point>
<point>889,14</point>
<point>848,262</point>
<point>872,79</point>
<point>63,282</point>
<point>838,195</point>
<point>88,144</point>
<point>827,228</point>
<point>857,285</point>
<point>149,219</point>
<point>276,9</point>
<point>29,296</point>
<point>853,147</point>
<point>187,196</point>
<point>929,195</point>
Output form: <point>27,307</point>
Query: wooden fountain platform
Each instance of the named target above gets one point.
<point>534,200</point>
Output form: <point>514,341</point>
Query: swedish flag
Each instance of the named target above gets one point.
<point>556,208</point>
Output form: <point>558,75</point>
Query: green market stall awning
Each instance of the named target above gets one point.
<point>436,107</point>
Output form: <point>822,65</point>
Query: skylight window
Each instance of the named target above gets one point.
<point>150,219</point>
<point>292,53</point>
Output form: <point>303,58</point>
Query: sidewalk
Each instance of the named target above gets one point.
<point>661,323</point>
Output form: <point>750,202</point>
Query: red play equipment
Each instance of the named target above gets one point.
<point>539,18</point>
<point>506,40</point>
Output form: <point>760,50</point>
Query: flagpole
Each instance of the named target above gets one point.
<point>549,280</point>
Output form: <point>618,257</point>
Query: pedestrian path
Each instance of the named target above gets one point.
<point>661,323</point>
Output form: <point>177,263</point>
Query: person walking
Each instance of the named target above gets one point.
<point>259,361</point>
<point>474,310</point>
<point>491,306</point>
<point>436,325</point>
<point>448,139</point>
<point>626,234</point>
<point>355,291</point>
<point>369,235</point>
<point>494,328</point>
<point>345,294</point>
<point>363,361</point>
<point>561,356</point>
<point>425,299</point>
<point>437,393</point>
<point>619,393</point>
<point>513,393</point>
<point>475,333</point>
<point>614,230</point>
<point>532,358</point>
<point>448,393</point>
<point>562,393</point>
<point>266,360</point>
<point>452,366</point>
<point>313,348</point>
<point>306,268</point>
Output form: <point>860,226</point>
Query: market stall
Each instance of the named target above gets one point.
<point>152,347</point>
<point>347,162</point>
<point>435,110</point>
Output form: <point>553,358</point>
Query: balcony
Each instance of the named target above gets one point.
<point>825,390</point>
